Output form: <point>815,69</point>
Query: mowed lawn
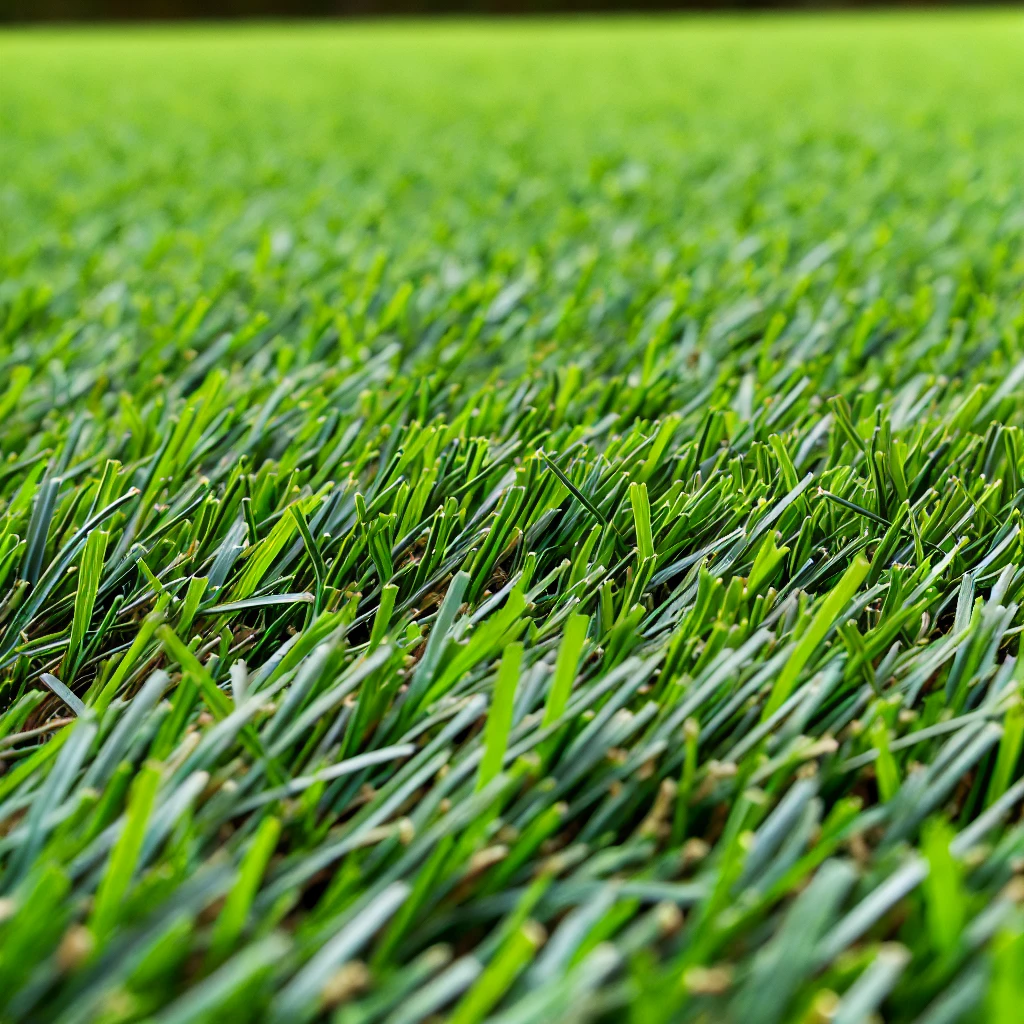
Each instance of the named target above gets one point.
<point>514,522</point>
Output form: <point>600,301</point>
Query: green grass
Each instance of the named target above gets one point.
<point>514,523</point>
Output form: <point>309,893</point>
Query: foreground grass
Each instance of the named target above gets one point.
<point>513,523</point>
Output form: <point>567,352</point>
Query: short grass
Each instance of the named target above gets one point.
<point>514,523</point>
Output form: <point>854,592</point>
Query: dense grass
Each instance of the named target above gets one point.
<point>516,523</point>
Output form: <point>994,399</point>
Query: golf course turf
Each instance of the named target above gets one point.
<point>514,522</point>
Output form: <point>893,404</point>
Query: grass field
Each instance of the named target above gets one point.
<point>514,523</point>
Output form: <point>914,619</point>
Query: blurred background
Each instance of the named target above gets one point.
<point>145,10</point>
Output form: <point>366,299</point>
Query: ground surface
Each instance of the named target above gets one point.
<point>514,523</point>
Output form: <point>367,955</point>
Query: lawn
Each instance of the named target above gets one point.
<point>513,522</point>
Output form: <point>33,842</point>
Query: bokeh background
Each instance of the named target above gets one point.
<point>145,10</point>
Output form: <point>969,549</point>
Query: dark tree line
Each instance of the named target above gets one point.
<point>145,10</point>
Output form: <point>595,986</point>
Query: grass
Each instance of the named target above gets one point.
<point>513,523</point>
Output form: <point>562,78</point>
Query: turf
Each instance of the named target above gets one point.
<point>513,522</point>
